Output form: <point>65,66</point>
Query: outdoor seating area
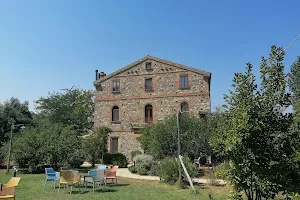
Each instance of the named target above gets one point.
<point>73,178</point>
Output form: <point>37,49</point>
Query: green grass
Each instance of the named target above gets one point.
<point>31,187</point>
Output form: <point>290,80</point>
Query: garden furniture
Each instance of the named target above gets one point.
<point>197,161</point>
<point>97,178</point>
<point>8,190</point>
<point>52,176</point>
<point>112,173</point>
<point>92,172</point>
<point>69,178</point>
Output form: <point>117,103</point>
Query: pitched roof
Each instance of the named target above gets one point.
<point>208,74</point>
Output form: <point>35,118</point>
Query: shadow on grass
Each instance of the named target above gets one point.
<point>79,192</point>
<point>207,186</point>
<point>107,186</point>
<point>102,190</point>
<point>90,190</point>
<point>115,185</point>
<point>97,190</point>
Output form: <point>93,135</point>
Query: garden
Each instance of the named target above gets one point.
<point>252,139</point>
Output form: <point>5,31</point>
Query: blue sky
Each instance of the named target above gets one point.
<point>48,45</point>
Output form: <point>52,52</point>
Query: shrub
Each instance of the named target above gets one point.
<point>132,169</point>
<point>134,153</point>
<point>142,171</point>
<point>159,141</point>
<point>154,168</point>
<point>76,158</point>
<point>143,161</point>
<point>53,144</point>
<point>168,170</point>
<point>115,159</point>
<point>222,171</point>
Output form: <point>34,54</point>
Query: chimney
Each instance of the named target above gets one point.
<point>102,75</point>
<point>96,74</point>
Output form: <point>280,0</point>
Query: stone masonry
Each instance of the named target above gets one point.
<point>165,97</point>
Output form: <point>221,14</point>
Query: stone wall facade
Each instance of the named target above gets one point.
<point>165,97</point>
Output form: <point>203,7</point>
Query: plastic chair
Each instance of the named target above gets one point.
<point>68,178</point>
<point>9,189</point>
<point>112,173</point>
<point>97,178</point>
<point>92,172</point>
<point>52,176</point>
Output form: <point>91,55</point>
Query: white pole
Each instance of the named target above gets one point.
<point>187,174</point>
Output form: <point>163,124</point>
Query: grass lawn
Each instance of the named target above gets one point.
<point>31,187</point>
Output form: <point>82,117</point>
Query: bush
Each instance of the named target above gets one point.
<point>154,168</point>
<point>76,158</point>
<point>132,169</point>
<point>159,141</point>
<point>168,170</point>
<point>134,153</point>
<point>222,171</point>
<point>143,161</point>
<point>142,171</point>
<point>115,159</point>
<point>53,144</point>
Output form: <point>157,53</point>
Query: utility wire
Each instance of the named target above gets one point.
<point>277,54</point>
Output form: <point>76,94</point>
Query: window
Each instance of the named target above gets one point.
<point>202,114</point>
<point>114,144</point>
<point>115,113</point>
<point>184,81</point>
<point>148,84</point>
<point>148,114</point>
<point>184,107</point>
<point>116,86</point>
<point>148,66</point>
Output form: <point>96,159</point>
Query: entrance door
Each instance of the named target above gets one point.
<point>114,145</point>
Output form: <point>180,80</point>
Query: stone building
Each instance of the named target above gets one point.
<point>144,92</point>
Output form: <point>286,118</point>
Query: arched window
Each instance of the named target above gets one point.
<point>115,113</point>
<point>184,107</point>
<point>148,113</point>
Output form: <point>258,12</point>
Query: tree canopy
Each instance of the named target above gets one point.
<point>95,145</point>
<point>256,135</point>
<point>160,139</point>
<point>13,111</point>
<point>73,107</point>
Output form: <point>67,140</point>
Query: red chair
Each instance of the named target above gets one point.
<point>112,173</point>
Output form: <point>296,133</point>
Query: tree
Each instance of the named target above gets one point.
<point>13,111</point>
<point>56,145</point>
<point>73,107</point>
<point>160,139</point>
<point>294,85</point>
<point>294,80</point>
<point>256,135</point>
<point>95,145</point>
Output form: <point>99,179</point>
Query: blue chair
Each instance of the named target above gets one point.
<point>51,175</point>
<point>93,171</point>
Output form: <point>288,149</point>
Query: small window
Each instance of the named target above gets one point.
<point>115,113</point>
<point>148,84</point>
<point>114,145</point>
<point>184,81</point>
<point>116,86</point>
<point>184,107</point>
<point>148,114</point>
<point>148,66</point>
